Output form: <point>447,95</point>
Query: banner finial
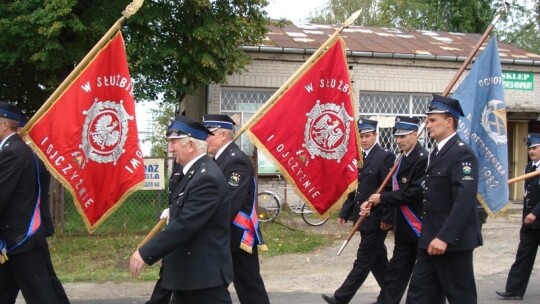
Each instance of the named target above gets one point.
<point>352,18</point>
<point>132,8</point>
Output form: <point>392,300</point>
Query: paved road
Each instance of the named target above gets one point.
<point>301,278</point>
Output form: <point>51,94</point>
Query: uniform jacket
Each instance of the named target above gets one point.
<point>376,166</point>
<point>410,178</point>
<point>531,202</point>
<point>195,244</point>
<point>18,193</point>
<point>239,174</point>
<point>450,198</point>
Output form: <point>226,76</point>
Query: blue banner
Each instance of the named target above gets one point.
<point>481,96</point>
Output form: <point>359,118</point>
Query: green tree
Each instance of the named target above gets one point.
<point>437,15</point>
<point>443,15</point>
<point>176,46</point>
<point>337,11</point>
<point>521,27</point>
<point>162,119</point>
<point>173,46</point>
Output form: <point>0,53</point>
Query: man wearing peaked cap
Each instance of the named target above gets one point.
<point>194,246</point>
<point>406,196</point>
<point>450,224</point>
<point>529,234</point>
<point>245,232</point>
<point>23,260</point>
<point>371,255</point>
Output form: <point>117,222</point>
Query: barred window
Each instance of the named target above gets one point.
<point>384,107</point>
<point>241,104</point>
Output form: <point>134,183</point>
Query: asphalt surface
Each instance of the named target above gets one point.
<point>301,278</point>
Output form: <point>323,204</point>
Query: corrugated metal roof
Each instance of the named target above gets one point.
<point>386,42</point>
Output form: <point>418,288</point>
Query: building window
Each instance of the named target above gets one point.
<point>241,104</point>
<point>384,107</point>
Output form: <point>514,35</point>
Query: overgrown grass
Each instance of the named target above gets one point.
<point>101,258</point>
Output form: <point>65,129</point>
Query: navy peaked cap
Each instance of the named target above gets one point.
<point>10,111</point>
<point>405,125</point>
<point>533,140</point>
<point>214,121</point>
<point>367,125</point>
<point>441,104</point>
<point>183,126</point>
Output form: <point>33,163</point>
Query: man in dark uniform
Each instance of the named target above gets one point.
<point>529,234</point>
<point>22,237</point>
<point>194,246</point>
<point>371,255</point>
<point>450,225</point>
<point>407,197</point>
<point>47,220</point>
<point>245,232</point>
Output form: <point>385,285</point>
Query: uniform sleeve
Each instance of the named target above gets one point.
<point>388,213</point>
<point>348,206</point>
<point>241,185</point>
<point>464,180</point>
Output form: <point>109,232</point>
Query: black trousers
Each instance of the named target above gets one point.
<point>214,295</point>
<point>520,272</point>
<point>160,295</point>
<point>29,273</point>
<point>399,272</point>
<point>370,257</point>
<point>450,275</point>
<point>248,282</point>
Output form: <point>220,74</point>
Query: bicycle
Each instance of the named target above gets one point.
<point>270,204</point>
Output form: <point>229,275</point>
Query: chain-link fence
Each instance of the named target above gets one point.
<point>137,214</point>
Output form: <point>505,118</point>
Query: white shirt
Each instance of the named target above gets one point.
<point>220,151</point>
<point>444,141</point>
<point>190,163</point>
<point>5,139</point>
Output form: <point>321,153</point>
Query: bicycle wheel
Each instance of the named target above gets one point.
<point>312,218</point>
<point>267,206</point>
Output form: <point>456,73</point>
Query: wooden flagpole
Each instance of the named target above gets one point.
<point>522,177</point>
<point>320,51</point>
<point>129,11</point>
<point>423,125</point>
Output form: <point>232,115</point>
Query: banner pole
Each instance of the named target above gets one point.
<point>422,127</point>
<point>306,65</point>
<point>129,11</point>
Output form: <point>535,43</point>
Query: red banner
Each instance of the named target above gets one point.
<point>88,138</point>
<point>310,132</point>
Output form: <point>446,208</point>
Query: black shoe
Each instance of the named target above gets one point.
<point>330,299</point>
<point>509,295</point>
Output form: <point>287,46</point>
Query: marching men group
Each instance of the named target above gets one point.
<point>212,236</point>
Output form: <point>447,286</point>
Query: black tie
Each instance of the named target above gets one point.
<point>433,153</point>
<point>364,155</point>
<point>534,168</point>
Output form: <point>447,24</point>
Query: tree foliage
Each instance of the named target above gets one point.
<point>443,15</point>
<point>176,46</point>
<point>521,26</point>
<point>173,45</point>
